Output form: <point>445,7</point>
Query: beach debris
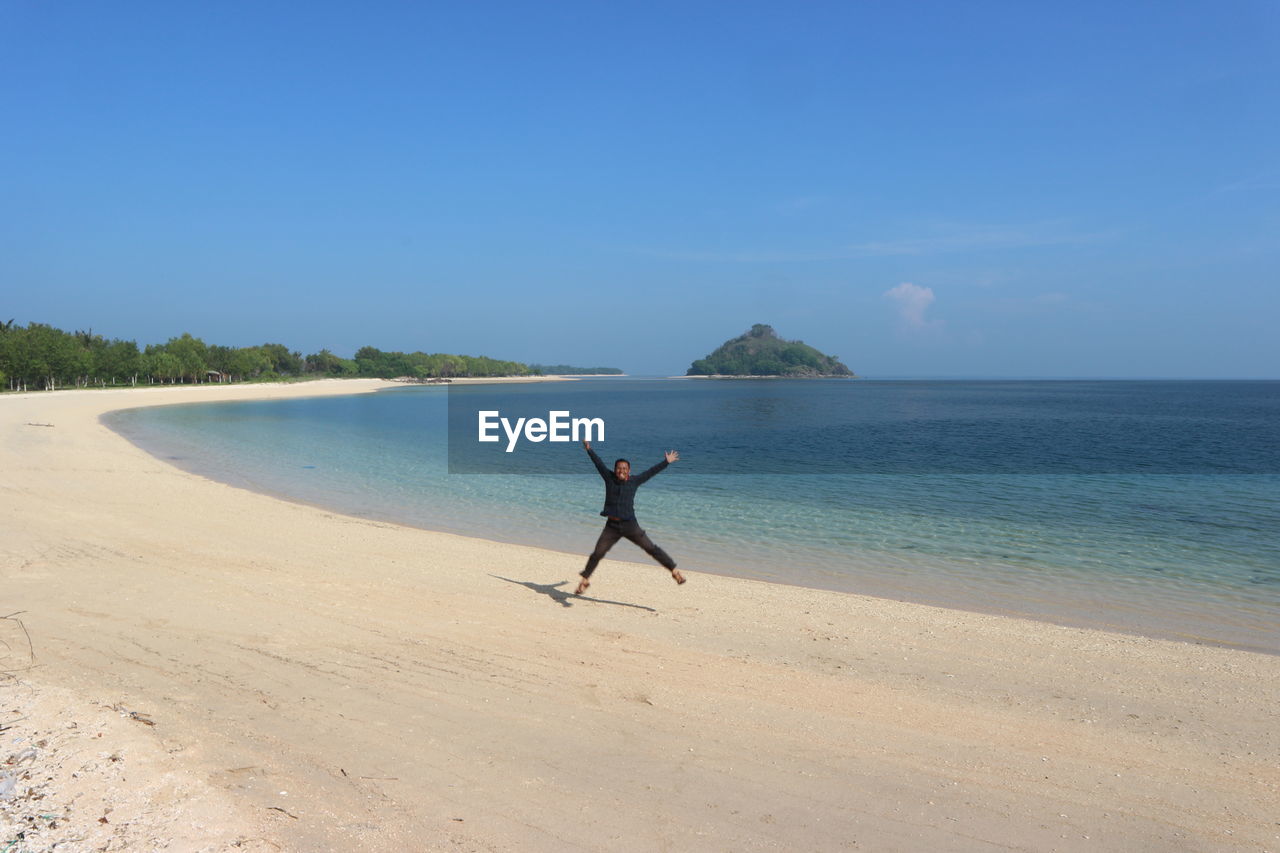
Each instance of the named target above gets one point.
<point>145,719</point>
<point>8,785</point>
<point>29,423</point>
<point>28,754</point>
<point>31,653</point>
<point>282,811</point>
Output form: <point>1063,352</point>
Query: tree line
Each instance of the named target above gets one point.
<point>570,370</point>
<point>371,361</point>
<point>40,356</point>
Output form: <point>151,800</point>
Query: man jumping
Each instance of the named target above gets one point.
<point>619,498</point>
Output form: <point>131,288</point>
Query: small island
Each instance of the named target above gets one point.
<point>760,352</point>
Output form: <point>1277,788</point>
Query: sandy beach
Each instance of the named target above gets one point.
<point>192,666</point>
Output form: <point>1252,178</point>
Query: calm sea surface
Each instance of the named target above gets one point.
<point>1142,506</point>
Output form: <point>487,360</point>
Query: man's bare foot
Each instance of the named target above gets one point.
<point>675,573</point>
<point>583,584</point>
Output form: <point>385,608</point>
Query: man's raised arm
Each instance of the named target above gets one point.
<point>667,458</point>
<point>604,472</point>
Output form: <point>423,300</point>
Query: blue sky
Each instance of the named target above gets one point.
<point>931,189</point>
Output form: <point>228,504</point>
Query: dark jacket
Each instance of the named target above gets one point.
<point>620,495</point>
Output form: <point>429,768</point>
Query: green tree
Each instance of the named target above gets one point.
<point>55,355</point>
<point>87,362</point>
<point>192,356</point>
<point>328,364</point>
<point>219,358</point>
<point>283,361</point>
<point>13,355</point>
<point>249,363</point>
<point>164,366</point>
<point>120,360</point>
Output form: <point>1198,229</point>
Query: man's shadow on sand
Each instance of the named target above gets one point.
<point>565,599</point>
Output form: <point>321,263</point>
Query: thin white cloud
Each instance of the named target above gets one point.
<point>912,301</point>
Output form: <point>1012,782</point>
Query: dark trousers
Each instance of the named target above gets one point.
<point>615,530</point>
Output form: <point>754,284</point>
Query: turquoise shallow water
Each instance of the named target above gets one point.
<point>1147,507</point>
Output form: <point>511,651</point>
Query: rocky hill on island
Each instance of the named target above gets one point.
<point>760,352</point>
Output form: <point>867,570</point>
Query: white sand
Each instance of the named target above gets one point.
<point>322,682</point>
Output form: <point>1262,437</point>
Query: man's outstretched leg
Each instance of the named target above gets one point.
<point>633,531</point>
<point>608,538</point>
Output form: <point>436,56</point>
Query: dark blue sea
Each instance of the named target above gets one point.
<point>1150,507</point>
